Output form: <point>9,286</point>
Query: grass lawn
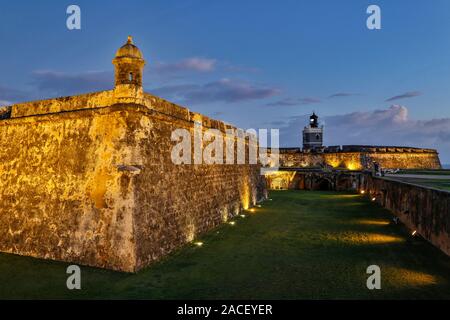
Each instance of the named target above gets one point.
<point>439,172</point>
<point>434,183</point>
<point>313,245</point>
<point>442,184</point>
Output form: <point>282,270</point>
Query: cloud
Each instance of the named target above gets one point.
<point>293,102</point>
<point>56,83</point>
<point>224,90</point>
<point>391,126</point>
<point>193,64</point>
<point>405,95</point>
<point>342,94</point>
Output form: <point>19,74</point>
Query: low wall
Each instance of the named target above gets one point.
<point>420,208</point>
<point>297,159</point>
<point>417,159</point>
<point>388,158</point>
<point>98,187</point>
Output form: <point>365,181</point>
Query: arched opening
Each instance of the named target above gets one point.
<point>130,76</point>
<point>324,185</point>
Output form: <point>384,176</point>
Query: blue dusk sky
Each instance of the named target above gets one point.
<point>255,64</point>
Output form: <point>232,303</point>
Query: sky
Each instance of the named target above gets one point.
<point>255,64</point>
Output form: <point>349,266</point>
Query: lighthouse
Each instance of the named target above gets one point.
<point>313,134</point>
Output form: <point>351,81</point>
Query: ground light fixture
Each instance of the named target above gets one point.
<point>414,233</point>
<point>232,223</point>
<point>373,199</point>
<point>362,192</point>
<point>198,243</point>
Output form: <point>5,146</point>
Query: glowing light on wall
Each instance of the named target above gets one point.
<point>254,197</point>
<point>362,191</point>
<point>279,179</point>
<point>245,196</point>
<point>190,232</point>
<point>224,214</point>
<point>353,166</point>
<point>334,163</point>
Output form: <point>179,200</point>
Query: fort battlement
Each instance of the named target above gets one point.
<point>105,99</point>
<point>361,157</point>
<point>93,181</point>
<point>354,157</point>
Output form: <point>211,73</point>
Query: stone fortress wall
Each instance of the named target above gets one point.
<point>422,209</point>
<point>362,157</point>
<point>93,182</point>
<point>89,179</point>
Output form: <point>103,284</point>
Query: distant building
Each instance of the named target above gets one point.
<point>313,134</point>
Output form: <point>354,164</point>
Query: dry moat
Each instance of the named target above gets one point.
<point>299,244</point>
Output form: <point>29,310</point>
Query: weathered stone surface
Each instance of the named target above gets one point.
<point>5,112</point>
<point>98,187</point>
<point>61,195</point>
<point>388,158</point>
<point>89,178</point>
<point>420,208</point>
<point>174,203</point>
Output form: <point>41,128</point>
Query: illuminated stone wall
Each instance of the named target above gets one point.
<point>314,180</point>
<point>295,158</point>
<point>96,185</point>
<point>175,203</point>
<point>402,158</point>
<point>347,160</point>
<point>62,195</point>
<point>419,208</point>
<point>418,159</point>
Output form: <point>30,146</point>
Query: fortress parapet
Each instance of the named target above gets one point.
<point>360,157</point>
